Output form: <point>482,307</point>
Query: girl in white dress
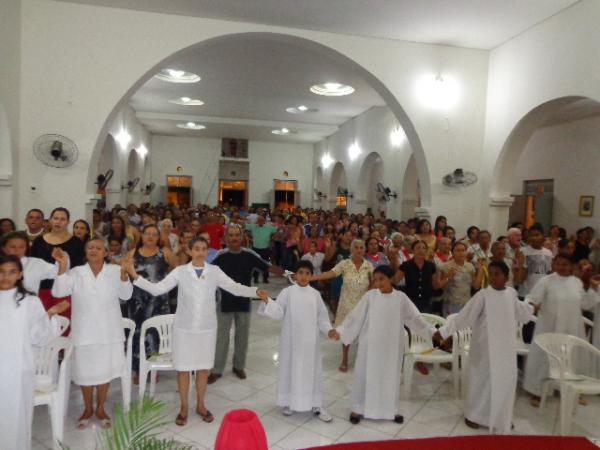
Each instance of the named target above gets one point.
<point>560,297</point>
<point>23,324</point>
<point>378,321</point>
<point>34,269</point>
<point>195,325</point>
<point>96,328</point>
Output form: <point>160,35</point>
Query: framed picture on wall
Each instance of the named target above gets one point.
<point>586,205</point>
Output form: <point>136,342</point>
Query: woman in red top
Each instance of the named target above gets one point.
<point>313,237</point>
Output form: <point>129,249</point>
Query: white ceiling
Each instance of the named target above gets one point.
<point>246,85</point>
<point>482,24</point>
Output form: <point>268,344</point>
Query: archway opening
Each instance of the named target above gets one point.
<point>372,190</point>
<point>244,42</point>
<point>548,167</point>
<point>339,193</point>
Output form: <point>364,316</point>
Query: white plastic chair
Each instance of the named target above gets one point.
<point>461,344</point>
<point>561,350</point>
<point>421,350</point>
<point>522,347</point>
<point>54,392</point>
<point>128,324</point>
<point>163,360</point>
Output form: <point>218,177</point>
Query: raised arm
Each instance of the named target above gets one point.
<point>155,289</point>
<point>275,309</point>
<point>226,283</point>
<point>467,316</point>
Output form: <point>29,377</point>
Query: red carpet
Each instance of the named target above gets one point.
<point>473,443</point>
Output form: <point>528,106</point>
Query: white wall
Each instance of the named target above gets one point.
<point>559,57</point>
<point>371,132</point>
<point>570,155</point>
<point>200,158</point>
<point>10,64</point>
<point>73,91</point>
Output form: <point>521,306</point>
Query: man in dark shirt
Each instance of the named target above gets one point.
<point>238,263</point>
<point>582,245</point>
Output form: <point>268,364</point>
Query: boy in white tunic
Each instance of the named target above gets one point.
<point>195,324</point>
<point>34,269</point>
<point>96,327</point>
<point>23,325</point>
<point>560,297</point>
<point>492,314</point>
<point>378,322</point>
<point>300,386</point>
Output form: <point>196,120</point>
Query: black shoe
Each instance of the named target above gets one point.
<point>266,281</point>
<point>354,418</point>
<point>399,419</point>
<point>213,377</point>
<point>240,373</point>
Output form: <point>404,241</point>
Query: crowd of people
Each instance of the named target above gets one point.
<point>354,277</point>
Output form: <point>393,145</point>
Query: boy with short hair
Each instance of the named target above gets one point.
<point>300,384</point>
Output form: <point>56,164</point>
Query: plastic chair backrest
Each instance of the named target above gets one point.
<point>164,326</point>
<point>47,356</point>
<point>560,349</point>
<point>434,319</point>
<point>63,324</point>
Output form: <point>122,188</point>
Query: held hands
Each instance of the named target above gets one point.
<point>59,308</point>
<point>333,335</point>
<point>127,266</point>
<point>437,339</point>
<point>536,307</point>
<point>263,295</point>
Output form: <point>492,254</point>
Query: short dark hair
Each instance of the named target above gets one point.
<point>304,264</point>
<point>37,210</point>
<point>385,270</point>
<point>61,209</point>
<point>501,265</point>
<point>196,239</point>
<point>457,243</point>
<point>536,227</point>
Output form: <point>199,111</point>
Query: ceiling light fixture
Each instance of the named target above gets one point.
<point>186,101</point>
<point>123,138</point>
<point>191,126</point>
<point>177,76</point>
<point>302,109</point>
<point>332,89</point>
<point>438,92</point>
<point>326,160</point>
<point>281,132</point>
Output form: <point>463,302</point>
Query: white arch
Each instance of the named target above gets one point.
<point>410,190</point>
<point>376,84</point>
<point>6,166</point>
<point>338,179</point>
<point>371,173</point>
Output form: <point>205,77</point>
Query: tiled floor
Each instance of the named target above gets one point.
<point>431,410</point>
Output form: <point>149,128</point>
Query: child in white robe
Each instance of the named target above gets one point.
<point>23,325</point>
<point>300,384</point>
<point>34,269</point>
<point>96,324</point>
<point>560,298</point>
<point>195,324</point>
<point>492,314</point>
<point>378,322</point>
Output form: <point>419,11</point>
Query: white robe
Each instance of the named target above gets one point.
<point>35,270</point>
<point>21,328</point>
<point>493,317</point>
<point>195,324</point>
<point>300,384</point>
<point>96,321</point>
<point>378,321</point>
<point>592,303</point>
<point>561,300</point>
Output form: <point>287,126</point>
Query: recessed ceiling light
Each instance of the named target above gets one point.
<point>191,126</point>
<point>283,132</point>
<point>301,109</point>
<point>177,76</point>
<point>187,101</point>
<point>332,89</point>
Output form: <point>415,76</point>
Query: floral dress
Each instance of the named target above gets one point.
<point>142,305</point>
<point>356,284</point>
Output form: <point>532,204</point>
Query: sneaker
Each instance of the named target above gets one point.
<point>322,414</point>
<point>287,411</point>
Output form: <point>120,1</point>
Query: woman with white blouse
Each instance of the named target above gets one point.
<point>96,327</point>
<point>195,324</point>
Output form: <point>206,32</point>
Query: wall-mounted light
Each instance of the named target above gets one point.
<point>142,150</point>
<point>353,151</point>
<point>438,92</point>
<point>123,138</point>
<point>397,137</point>
<point>326,160</point>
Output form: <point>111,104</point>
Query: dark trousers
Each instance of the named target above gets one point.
<point>264,253</point>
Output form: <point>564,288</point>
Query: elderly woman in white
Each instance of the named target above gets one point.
<point>195,325</point>
<point>96,327</point>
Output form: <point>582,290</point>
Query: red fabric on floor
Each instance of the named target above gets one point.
<point>472,443</point>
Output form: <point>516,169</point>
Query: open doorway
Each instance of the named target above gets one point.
<point>233,193</point>
<point>179,190</point>
<point>535,205</point>
<point>286,195</point>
